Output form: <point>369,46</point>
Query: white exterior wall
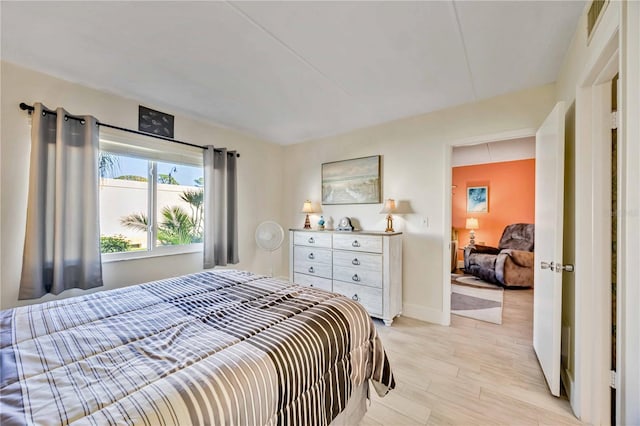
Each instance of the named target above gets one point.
<point>120,198</point>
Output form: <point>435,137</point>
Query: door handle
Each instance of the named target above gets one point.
<point>557,267</point>
<point>566,268</point>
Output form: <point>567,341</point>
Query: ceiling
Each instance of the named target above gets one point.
<point>494,152</point>
<point>293,71</point>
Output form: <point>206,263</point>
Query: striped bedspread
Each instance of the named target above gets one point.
<point>218,347</point>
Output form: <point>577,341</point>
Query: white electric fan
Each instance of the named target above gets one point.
<point>269,237</point>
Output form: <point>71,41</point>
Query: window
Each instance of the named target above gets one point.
<point>151,197</point>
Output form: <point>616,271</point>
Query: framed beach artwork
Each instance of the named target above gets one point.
<point>477,199</point>
<point>355,181</point>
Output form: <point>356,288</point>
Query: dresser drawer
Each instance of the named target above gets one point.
<point>311,267</point>
<point>319,255</point>
<point>372,262</point>
<point>357,276</point>
<point>370,298</point>
<point>368,243</point>
<point>365,266</point>
<point>312,239</point>
<point>312,281</point>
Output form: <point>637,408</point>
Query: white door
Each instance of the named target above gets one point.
<point>547,293</point>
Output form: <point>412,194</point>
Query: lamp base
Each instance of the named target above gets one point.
<point>307,223</point>
<point>389,224</point>
<point>472,238</point>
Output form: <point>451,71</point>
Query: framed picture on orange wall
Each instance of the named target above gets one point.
<point>477,199</point>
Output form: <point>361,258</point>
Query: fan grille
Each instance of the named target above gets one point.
<point>269,236</point>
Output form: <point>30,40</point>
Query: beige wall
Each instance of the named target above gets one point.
<point>414,152</point>
<point>413,171</point>
<point>260,177</point>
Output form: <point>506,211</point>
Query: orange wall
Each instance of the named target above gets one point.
<point>511,198</point>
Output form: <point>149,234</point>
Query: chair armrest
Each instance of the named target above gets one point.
<point>520,257</point>
<point>478,248</point>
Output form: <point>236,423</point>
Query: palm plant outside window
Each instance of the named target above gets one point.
<point>147,204</point>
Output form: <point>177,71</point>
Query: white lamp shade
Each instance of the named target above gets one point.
<point>472,223</point>
<point>306,207</point>
<point>389,206</point>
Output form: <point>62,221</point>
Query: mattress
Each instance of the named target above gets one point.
<point>217,347</point>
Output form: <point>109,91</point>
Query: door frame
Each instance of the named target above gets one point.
<point>447,208</point>
<point>590,397</point>
<point>628,318</point>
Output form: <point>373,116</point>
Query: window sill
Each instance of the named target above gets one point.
<point>157,252</point>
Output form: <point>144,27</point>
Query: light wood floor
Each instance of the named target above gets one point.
<point>471,373</point>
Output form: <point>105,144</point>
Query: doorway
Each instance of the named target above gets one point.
<point>503,174</point>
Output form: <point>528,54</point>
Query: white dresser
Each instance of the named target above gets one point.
<point>364,266</point>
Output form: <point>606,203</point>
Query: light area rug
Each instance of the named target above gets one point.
<point>473,298</point>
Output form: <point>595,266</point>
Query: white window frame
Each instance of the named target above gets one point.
<point>151,150</point>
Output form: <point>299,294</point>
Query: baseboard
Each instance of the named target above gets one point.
<point>423,313</point>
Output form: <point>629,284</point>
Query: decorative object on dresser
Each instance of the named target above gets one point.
<point>472,225</point>
<point>364,266</point>
<point>307,208</point>
<point>355,181</point>
<point>345,224</point>
<point>388,208</point>
<point>321,223</point>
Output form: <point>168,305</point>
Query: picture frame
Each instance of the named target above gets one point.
<point>354,181</point>
<point>155,122</point>
<point>477,199</point>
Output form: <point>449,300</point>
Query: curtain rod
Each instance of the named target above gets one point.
<point>30,109</point>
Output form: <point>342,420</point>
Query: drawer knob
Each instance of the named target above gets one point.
<point>311,240</point>
<point>355,297</point>
<point>311,269</point>
<point>355,277</point>
<point>355,261</point>
<point>355,243</point>
<point>311,256</point>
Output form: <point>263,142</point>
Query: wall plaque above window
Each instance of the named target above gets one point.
<point>155,122</point>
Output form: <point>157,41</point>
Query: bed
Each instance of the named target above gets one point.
<point>217,347</point>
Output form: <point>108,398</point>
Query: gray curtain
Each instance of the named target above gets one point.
<point>220,208</point>
<point>62,241</point>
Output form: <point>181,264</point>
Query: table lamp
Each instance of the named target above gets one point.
<point>472,225</point>
<point>388,208</point>
<point>306,208</point>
